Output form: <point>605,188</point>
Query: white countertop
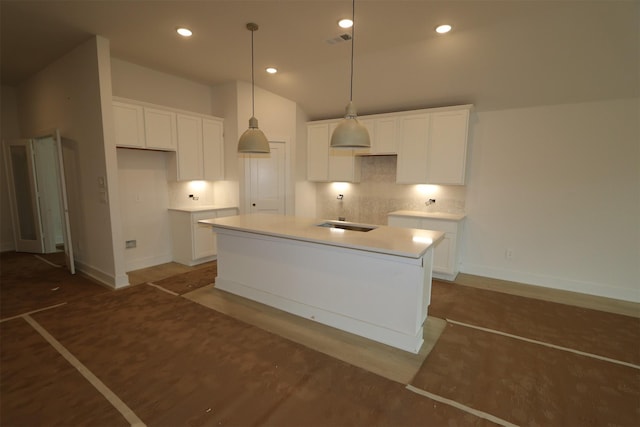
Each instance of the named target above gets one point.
<point>202,208</point>
<point>405,242</point>
<point>433,215</point>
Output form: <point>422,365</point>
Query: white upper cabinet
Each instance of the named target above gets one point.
<point>189,154</point>
<point>200,154</point>
<point>212,149</point>
<point>196,139</point>
<point>431,146</point>
<point>412,150</point>
<point>129,125</point>
<point>383,134</point>
<point>343,165</point>
<point>160,129</point>
<point>325,163</point>
<point>446,160</point>
<point>318,152</point>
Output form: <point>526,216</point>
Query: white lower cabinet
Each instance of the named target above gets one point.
<point>446,252</point>
<point>194,243</point>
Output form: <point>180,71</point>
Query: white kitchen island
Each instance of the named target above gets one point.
<point>376,284</point>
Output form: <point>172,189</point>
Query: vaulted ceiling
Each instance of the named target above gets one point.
<point>500,54</point>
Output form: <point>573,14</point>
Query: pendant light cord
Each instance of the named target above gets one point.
<point>253,107</point>
<point>353,27</point>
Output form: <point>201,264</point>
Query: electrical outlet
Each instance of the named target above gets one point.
<point>130,244</point>
<point>508,254</point>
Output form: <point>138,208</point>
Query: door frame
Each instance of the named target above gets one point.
<point>246,176</point>
<point>31,245</point>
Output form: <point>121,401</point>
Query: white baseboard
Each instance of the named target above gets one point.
<point>106,279</point>
<point>595,289</point>
<point>7,247</point>
<point>140,263</point>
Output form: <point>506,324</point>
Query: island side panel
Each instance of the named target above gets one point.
<point>381,297</point>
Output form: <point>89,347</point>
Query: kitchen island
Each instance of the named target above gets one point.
<point>373,281</point>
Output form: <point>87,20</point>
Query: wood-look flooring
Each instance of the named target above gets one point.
<point>174,351</point>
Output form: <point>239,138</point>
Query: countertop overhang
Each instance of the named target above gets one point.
<point>201,208</point>
<point>404,242</point>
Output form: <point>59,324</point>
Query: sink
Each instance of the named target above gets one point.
<point>347,226</point>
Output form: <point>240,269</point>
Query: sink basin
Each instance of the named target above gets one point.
<point>347,226</point>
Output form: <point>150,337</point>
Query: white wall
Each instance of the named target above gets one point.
<point>144,199</point>
<point>145,84</point>
<point>560,187</point>
<point>305,191</point>
<point>9,128</point>
<point>277,119</point>
<point>67,95</point>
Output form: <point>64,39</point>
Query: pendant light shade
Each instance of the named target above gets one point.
<point>253,139</point>
<point>350,133</point>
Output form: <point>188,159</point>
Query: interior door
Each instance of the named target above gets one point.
<point>267,180</point>
<point>23,194</point>
<point>64,204</point>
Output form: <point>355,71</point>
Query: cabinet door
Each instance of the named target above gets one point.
<point>318,152</point>
<point>412,149</point>
<point>204,239</point>
<point>342,162</point>
<point>385,139</point>
<point>129,125</point>
<point>189,153</point>
<point>160,129</point>
<point>444,255</point>
<point>370,125</point>
<point>446,159</point>
<point>212,150</point>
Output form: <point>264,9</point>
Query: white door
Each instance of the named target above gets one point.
<point>266,180</point>
<point>64,205</point>
<point>23,193</point>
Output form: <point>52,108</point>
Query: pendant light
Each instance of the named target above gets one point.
<point>253,140</point>
<point>350,133</point>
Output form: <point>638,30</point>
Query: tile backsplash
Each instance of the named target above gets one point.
<point>377,194</point>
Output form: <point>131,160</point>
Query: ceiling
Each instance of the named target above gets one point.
<point>500,54</point>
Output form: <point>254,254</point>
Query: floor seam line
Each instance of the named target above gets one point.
<point>102,388</point>
<point>546,344</point>
<point>47,261</point>
<point>462,407</point>
<point>162,289</point>
<point>32,312</point>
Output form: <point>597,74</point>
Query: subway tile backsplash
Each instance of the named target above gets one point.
<point>377,194</point>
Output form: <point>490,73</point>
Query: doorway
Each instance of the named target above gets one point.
<point>38,196</point>
<point>265,180</point>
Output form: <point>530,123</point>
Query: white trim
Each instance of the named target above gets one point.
<point>100,276</point>
<point>589,288</point>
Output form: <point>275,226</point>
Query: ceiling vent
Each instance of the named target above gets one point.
<point>341,38</point>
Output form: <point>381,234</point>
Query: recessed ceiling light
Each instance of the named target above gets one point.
<point>271,70</point>
<point>345,23</point>
<point>442,29</point>
<point>184,32</point>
